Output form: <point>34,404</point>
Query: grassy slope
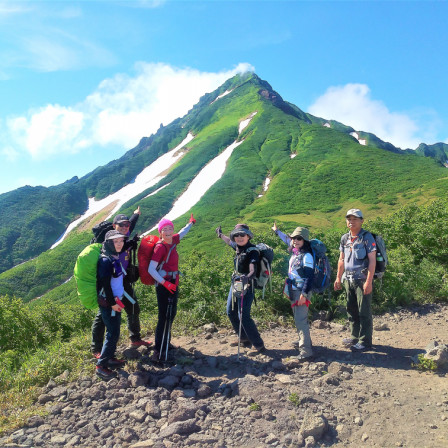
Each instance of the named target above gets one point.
<point>331,172</point>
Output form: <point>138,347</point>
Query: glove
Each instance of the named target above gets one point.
<point>119,302</point>
<point>218,231</point>
<point>169,286</point>
<point>244,279</point>
<point>192,220</point>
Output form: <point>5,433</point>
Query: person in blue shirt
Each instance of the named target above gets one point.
<point>356,269</point>
<point>298,284</point>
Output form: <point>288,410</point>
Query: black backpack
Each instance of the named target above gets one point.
<point>264,272</point>
<point>100,230</point>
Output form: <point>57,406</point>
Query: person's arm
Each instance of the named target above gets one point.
<point>368,284</point>
<point>152,269</point>
<point>285,238</point>
<point>133,219</point>
<point>340,271</point>
<point>225,238</point>
<point>104,275</point>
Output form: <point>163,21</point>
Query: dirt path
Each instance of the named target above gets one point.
<point>382,401</point>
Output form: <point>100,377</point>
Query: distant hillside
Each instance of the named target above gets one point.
<point>316,169</point>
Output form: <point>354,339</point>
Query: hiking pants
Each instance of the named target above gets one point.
<point>359,311</point>
<point>133,315</point>
<point>112,335</point>
<point>303,327</point>
<point>249,331</point>
<point>163,300</point>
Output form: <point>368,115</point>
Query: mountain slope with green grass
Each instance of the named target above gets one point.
<point>315,173</point>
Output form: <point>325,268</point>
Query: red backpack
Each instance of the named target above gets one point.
<point>144,255</point>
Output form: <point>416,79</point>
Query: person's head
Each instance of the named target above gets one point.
<point>354,219</point>
<point>113,242</point>
<point>121,223</point>
<point>166,229</point>
<point>300,238</point>
<point>241,234</point>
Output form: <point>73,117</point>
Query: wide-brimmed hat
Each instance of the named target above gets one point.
<point>301,231</point>
<point>355,212</point>
<point>241,228</point>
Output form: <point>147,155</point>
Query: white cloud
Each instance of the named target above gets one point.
<point>352,105</point>
<point>121,111</point>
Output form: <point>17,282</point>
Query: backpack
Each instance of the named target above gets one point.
<point>144,255</point>
<point>322,268</point>
<point>264,272</point>
<point>100,230</point>
<point>381,254</point>
<point>85,275</point>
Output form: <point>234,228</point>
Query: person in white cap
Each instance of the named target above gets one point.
<point>356,268</point>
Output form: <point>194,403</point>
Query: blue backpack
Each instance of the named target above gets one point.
<point>322,268</point>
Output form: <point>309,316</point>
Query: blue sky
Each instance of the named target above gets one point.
<point>82,82</point>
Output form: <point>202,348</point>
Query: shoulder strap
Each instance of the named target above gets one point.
<point>167,256</point>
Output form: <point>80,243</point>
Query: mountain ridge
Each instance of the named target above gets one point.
<point>277,135</point>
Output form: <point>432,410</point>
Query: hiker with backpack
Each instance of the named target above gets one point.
<point>164,268</point>
<point>356,269</point>
<point>124,225</point>
<point>241,293</point>
<point>298,285</point>
<point>110,291</point>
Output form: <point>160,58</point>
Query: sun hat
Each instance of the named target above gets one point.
<point>164,222</point>
<point>355,212</point>
<point>241,228</point>
<point>301,231</point>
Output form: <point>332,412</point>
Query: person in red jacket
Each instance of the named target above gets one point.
<point>164,268</point>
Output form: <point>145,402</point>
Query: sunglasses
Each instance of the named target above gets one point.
<point>124,224</point>
<point>298,238</point>
<point>239,235</point>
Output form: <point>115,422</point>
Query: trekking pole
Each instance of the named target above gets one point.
<point>169,312</point>
<point>164,333</point>
<point>241,317</point>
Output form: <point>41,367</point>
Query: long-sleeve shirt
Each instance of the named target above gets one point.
<point>159,255</point>
<point>301,267</point>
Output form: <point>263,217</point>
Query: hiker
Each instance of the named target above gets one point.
<point>356,268</point>
<point>242,288</point>
<point>125,226</point>
<point>164,268</point>
<point>110,291</point>
<point>298,284</point>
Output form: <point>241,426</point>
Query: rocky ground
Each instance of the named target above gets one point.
<point>206,397</point>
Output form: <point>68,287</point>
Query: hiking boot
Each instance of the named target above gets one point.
<point>155,357</point>
<point>115,363</point>
<point>348,342</point>
<point>304,357</point>
<point>141,343</point>
<point>257,351</point>
<point>96,355</point>
<point>104,373</point>
<point>244,343</point>
<point>360,347</point>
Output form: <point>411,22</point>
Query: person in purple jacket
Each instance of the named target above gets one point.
<point>125,226</point>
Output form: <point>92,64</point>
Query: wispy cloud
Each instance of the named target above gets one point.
<point>120,111</point>
<point>353,105</point>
